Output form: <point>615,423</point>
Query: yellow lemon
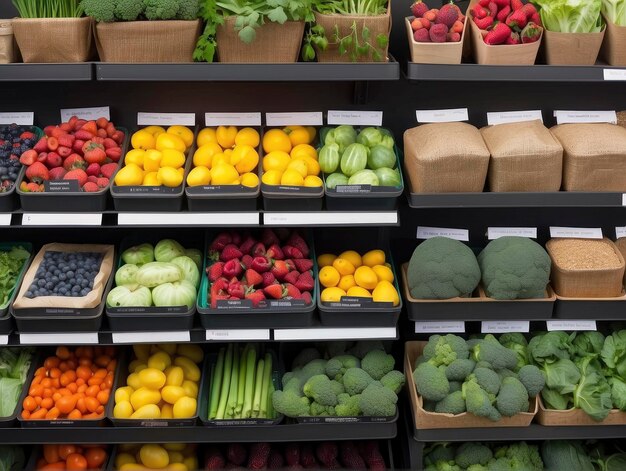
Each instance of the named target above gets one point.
<point>346,282</point>
<point>247,137</point>
<point>383,273</point>
<point>245,158</point>
<point>170,141</point>
<point>135,156</point>
<point>228,152</point>
<point>152,160</point>
<point>130,175</point>
<point>303,149</point>
<point>204,154</point>
<point>313,168</point>
<point>385,292</point>
<point>276,160</point>
<point>313,181</point>
<point>299,166</point>
<point>154,130</point>
<point>142,139</point>
<point>250,180</point>
<point>224,174</point>
<point>226,136</point>
<point>326,260</point>
<point>172,158</point>
<point>312,133</point>
<point>329,277</point>
<point>124,459</point>
<point>205,136</point>
<point>353,257</point>
<point>151,179</point>
<point>220,158</point>
<point>330,295</point>
<point>359,292</point>
<point>199,176</point>
<point>276,139</point>
<point>170,177</point>
<point>298,135</point>
<point>365,277</point>
<point>183,132</point>
<point>292,177</point>
<point>343,266</point>
<point>272,177</point>
<point>374,257</point>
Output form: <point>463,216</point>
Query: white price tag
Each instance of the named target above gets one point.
<point>327,218</point>
<point>424,232</point>
<point>238,334</point>
<point>620,232</point>
<point>497,232</point>
<point>571,325</point>
<point>26,118</point>
<point>504,117</point>
<point>614,74</point>
<point>436,327</point>
<point>188,219</point>
<point>564,117</point>
<point>75,338</point>
<point>151,337</point>
<point>166,119</point>
<point>86,113</point>
<point>5,219</point>
<point>355,118</point>
<point>62,219</point>
<point>623,199</point>
<point>491,327</point>
<point>576,232</point>
<point>4,339</point>
<point>307,118</point>
<point>232,119</point>
<point>442,116</point>
<point>336,333</point>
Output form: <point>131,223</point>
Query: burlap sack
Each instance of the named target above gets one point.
<point>274,43</point>
<point>147,41</point>
<point>8,51</point>
<point>594,156</point>
<point>93,299</point>
<point>525,156</point>
<point>445,158</point>
<point>54,40</point>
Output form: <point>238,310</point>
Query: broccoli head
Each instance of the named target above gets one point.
<point>477,467</point>
<point>429,406</point>
<point>100,10</point>
<point>460,369</point>
<point>348,405</point>
<point>514,268</point>
<point>378,401</point>
<point>512,398</point>
<point>337,387</point>
<point>455,386</point>
<point>451,404</point>
<point>362,347</point>
<point>377,363</point>
<point>313,368</point>
<point>320,389</point>
<point>487,379</point>
<point>443,466</point>
<point>305,356</point>
<point>128,10</point>
<point>337,366</point>
<point>532,378</point>
<point>478,402</point>
<point>439,451</point>
<point>444,349</point>
<point>520,456</point>
<point>318,410</point>
<point>161,9</point>
<point>188,10</point>
<point>431,382</point>
<point>470,453</point>
<point>500,357</point>
<point>442,268</point>
<point>355,380</point>
<point>290,404</point>
<point>393,380</point>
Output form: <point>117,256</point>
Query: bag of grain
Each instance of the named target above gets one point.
<point>594,156</point>
<point>445,158</point>
<point>525,156</point>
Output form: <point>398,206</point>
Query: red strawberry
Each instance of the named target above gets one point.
<point>57,173</point>
<point>260,264</point>
<point>83,135</point>
<point>256,297</point>
<point>292,252</point>
<point>94,152</point>
<point>102,182</point>
<point>269,237</point>
<point>516,5</point>
<point>215,271</point>
<point>118,136</point>
<point>292,454</point>
<point>221,241</point>
<point>90,187</point>
<point>305,282</point>
<point>109,143</point>
<point>276,460</point>
<point>53,143</point>
<point>292,291</point>
<point>501,3</point>
<point>253,278</point>
<point>236,288</point>
<point>90,127</point>
<point>513,39</point>
<point>214,459</point>
<point>66,140</point>
<point>232,268</point>
<point>48,130</point>
<point>236,454</point>
<point>246,261</point>
<point>42,145</point>
<point>531,33</point>
<point>78,146</point>
<point>307,457</point>
<point>280,269</point>
<point>306,296</point>
<point>290,265</point>
<point>93,169</point>
<point>268,279</point>
<point>292,277</point>
<point>115,153</point>
<point>529,9</point>
<point>43,157</point>
<point>74,161</point>
<point>535,18</point>
<point>108,170</point>
<point>102,123</point>
<point>421,36</point>
<point>275,252</point>
<point>297,241</point>
<point>498,34</point>
<point>493,9</point>
<point>236,238</point>
<point>484,3</point>
<point>303,264</point>
<point>517,20</point>
<point>37,173</point>
<point>29,157</point>
<point>259,454</point>
<point>53,160</point>
<point>418,9</point>
<point>229,252</point>
<point>92,179</point>
<point>218,291</point>
<point>64,151</point>
<point>77,174</point>
<point>247,245</point>
<point>327,453</point>
<point>478,12</point>
<point>503,14</point>
<point>350,457</point>
<point>34,187</point>
<point>274,291</point>
<point>258,249</point>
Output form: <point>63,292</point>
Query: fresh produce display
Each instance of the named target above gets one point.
<point>242,383</point>
<point>157,157</point>
<point>487,377</point>
<point>508,21</point>
<point>83,151</point>
<point>290,159</point>
<point>73,457</point>
<point>162,275</point>
<point>72,384</point>
<point>437,25</point>
<point>350,382</point>
<point>14,365</point>
<point>14,141</point>
<point>12,458</point>
<point>169,456</point>
<point>162,383</point>
<point>324,455</point>
<point>275,265</point>
<point>614,11</point>
<point>111,10</point>
<point>225,156</point>
<point>364,158</point>
<point>11,263</point>
<point>350,274</point>
<point>572,16</point>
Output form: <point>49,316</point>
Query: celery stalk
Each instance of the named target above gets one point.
<point>270,405</point>
<point>241,381</point>
<point>249,387</point>
<point>267,380</point>
<point>234,378</point>
<point>216,383</point>
<point>258,386</point>
<point>228,365</point>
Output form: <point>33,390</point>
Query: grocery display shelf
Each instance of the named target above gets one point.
<point>46,72</point>
<point>516,200</point>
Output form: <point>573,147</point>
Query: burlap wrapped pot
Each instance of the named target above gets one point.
<point>614,45</point>
<point>8,49</point>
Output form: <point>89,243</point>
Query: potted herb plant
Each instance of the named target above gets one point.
<point>52,31</point>
<point>145,30</point>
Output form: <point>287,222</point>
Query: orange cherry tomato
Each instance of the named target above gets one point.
<point>92,391</point>
<point>52,362</point>
<point>25,414</point>
<point>75,415</point>
<point>47,403</point>
<point>103,397</point>
<point>63,352</point>
<point>55,373</point>
<point>95,457</point>
<point>66,450</point>
<point>51,453</point>
<point>29,404</point>
<point>53,414</point>
<point>53,466</point>
<point>66,404</point>
<point>76,462</point>
<point>38,414</point>
<point>83,373</point>
<point>92,404</point>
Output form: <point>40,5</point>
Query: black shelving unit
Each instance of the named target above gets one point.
<point>561,199</point>
<point>46,72</point>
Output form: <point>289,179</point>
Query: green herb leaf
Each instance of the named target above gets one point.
<point>277,15</point>
<point>365,34</point>
<point>247,34</point>
<point>382,40</point>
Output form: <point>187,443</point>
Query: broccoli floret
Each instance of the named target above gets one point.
<point>532,378</point>
<point>484,364</point>
<point>513,398</point>
<point>460,369</point>
<point>290,404</point>
<point>128,10</point>
<point>506,373</point>
<point>494,353</point>
<point>470,453</point>
<point>377,363</point>
<point>313,368</point>
<point>431,382</point>
<point>520,456</point>
<point>320,389</point>
<point>294,385</point>
<point>378,401</point>
<point>514,268</point>
<point>337,387</point>
<point>161,9</point>
<point>355,380</point>
<point>487,379</point>
<point>443,350</point>
<point>348,405</point>
<point>363,347</point>
<point>478,402</point>
<point>103,11</point>
<point>429,406</point>
<point>444,466</point>
<point>337,366</point>
<point>451,404</point>
<point>455,386</point>
<point>439,451</point>
<point>188,10</point>
<point>477,467</point>
<point>317,410</point>
<point>442,268</point>
<point>500,464</point>
<point>305,356</point>
<point>394,380</point>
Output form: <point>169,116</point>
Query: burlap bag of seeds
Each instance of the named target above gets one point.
<point>594,156</point>
<point>445,158</point>
<point>525,156</point>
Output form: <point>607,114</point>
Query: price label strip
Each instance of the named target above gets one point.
<point>5,219</point>
<point>238,334</point>
<point>232,119</point>
<point>576,232</point>
<point>151,337</point>
<point>4,339</point>
<point>77,338</point>
<point>442,116</point>
<point>497,232</point>
<point>425,232</point>
<point>565,117</point>
<point>505,117</point>
<point>436,327</point>
<point>166,119</point>
<point>26,118</point>
<point>614,74</point>
<point>62,219</point>
<point>307,118</point>
<point>86,113</point>
<point>620,232</point>
<point>491,327</point>
<point>188,219</point>
<point>355,118</point>
<point>571,325</point>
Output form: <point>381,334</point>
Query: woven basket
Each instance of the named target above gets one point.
<point>377,24</point>
<point>586,283</point>
<point>147,41</point>
<point>8,48</point>
<point>575,417</point>
<point>274,43</point>
<point>54,39</point>
<point>571,48</point>
<point>525,156</point>
<point>614,45</point>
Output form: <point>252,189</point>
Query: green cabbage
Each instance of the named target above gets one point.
<point>196,256</point>
<point>14,365</point>
<point>615,11</point>
<point>381,156</point>
<point>139,254</point>
<point>12,458</point>
<point>180,293</point>
<point>156,273</point>
<point>364,177</point>
<point>571,16</point>
<point>167,250</point>
<point>370,137</point>
<point>335,179</point>
<point>388,177</point>
<point>125,296</point>
<point>354,159</point>
<point>343,136</point>
<point>189,269</point>
<point>329,158</point>
<point>125,275</point>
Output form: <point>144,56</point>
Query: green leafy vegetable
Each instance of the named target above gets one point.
<point>615,11</point>
<point>14,365</point>
<point>48,8</point>
<point>571,16</point>
<point>11,263</point>
<point>12,458</point>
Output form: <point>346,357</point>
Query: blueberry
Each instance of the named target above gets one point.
<point>54,279</point>
<point>28,294</point>
<point>73,266</point>
<point>69,274</point>
<point>41,283</point>
<point>62,277</point>
<point>65,268</point>
<point>49,285</point>
<point>62,290</point>
<point>85,291</point>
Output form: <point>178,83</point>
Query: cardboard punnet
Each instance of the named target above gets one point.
<point>435,53</point>
<point>576,417</point>
<point>572,48</point>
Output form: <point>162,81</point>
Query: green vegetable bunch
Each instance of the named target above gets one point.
<point>571,16</point>
<point>615,11</point>
<point>48,8</point>
<point>12,458</point>
<point>11,264</point>
<point>14,365</point>
<point>109,11</point>
<point>476,456</point>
